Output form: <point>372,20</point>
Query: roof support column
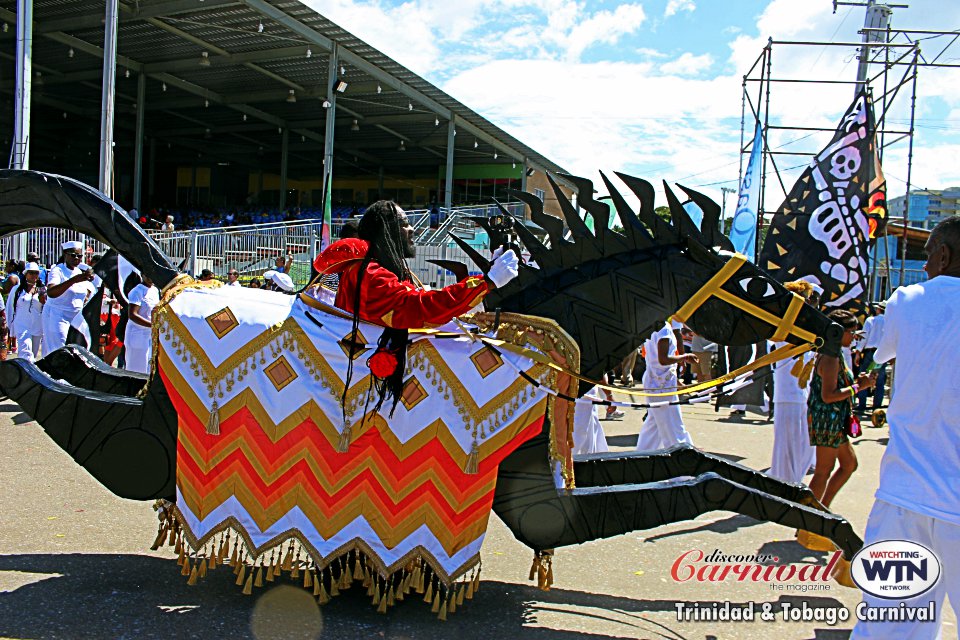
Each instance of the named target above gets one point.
<point>284,153</point>
<point>153,169</point>
<point>108,96</point>
<point>138,141</point>
<point>20,153</point>
<point>448,183</point>
<point>328,130</point>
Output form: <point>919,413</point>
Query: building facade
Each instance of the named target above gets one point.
<point>927,206</point>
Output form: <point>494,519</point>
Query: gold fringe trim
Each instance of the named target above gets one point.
<point>542,569</point>
<point>291,555</point>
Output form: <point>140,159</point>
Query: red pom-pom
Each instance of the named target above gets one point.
<point>383,364</point>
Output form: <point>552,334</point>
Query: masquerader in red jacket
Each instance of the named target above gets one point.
<point>376,286</point>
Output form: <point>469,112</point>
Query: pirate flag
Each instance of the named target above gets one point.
<point>823,229</point>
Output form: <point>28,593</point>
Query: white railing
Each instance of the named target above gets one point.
<point>252,249</point>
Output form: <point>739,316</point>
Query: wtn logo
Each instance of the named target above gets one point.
<point>902,570</point>
<point>895,569</point>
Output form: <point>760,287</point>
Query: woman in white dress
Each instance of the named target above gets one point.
<point>138,338</point>
<point>24,308</point>
<point>792,453</point>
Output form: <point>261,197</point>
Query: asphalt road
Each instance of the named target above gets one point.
<point>75,563</point>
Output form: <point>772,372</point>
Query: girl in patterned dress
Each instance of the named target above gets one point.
<point>829,407</point>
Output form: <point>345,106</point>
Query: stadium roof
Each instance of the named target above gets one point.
<point>224,77</point>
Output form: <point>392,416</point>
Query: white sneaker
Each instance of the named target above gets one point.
<point>616,414</point>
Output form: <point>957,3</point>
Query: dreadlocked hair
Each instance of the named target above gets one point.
<point>380,227</point>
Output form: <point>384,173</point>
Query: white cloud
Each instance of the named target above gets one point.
<point>676,6</point>
<point>687,65</point>
<point>593,88</point>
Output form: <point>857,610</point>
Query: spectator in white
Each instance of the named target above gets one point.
<point>664,426</point>
<point>168,226</point>
<point>138,339</point>
<point>588,435</point>
<point>24,309</point>
<point>69,285</point>
<point>919,494</point>
<point>277,281</point>
<point>233,278</point>
<point>793,454</point>
<point>872,332</point>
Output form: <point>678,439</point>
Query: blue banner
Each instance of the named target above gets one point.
<point>743,232</point>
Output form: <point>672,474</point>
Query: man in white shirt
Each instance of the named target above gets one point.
<point>664,426</point>
<point>872,332</point>
<point>919,494</point>
<point>69,285</point>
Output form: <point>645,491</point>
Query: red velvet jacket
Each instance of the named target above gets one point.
<point>386,301</point>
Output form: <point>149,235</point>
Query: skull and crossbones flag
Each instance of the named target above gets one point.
<point>823,229</point>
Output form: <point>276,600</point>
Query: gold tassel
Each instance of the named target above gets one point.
<point>287,561</point>
<point>383,606</point>
<point>476,581</point>
<point>174,537</point>
<point>185,570</point>
<point>391,599</point>
<point>334,591</point>
<point>275,568</point>
<point>248,585</point>
<point>470,590</point>
<point>343,445</point>
<point>181,557</point>
<point>295,572</point>
<point>203,569</point>
<point>367,581</point>
<point>161,538</point>
<point>258,581</point>
<point>192,580</point>
<point>179,546</point>
<point>436,603</point>
<point>371,586</point>
<point>323,597</point>
<point>212,561</point>
<point>213,422</point>
<point>443,610</point>
<point>241,574</point>
<point>398,594</point>
<point>473,460</point>
<point>429,596</point>
<point>460,596</point>
<point>452,607</point>
<point>307,579</point>
<point>269,575</point>
<point>317,584</point>
<point>233,558</point>
<point>357,572</point>
<point>376,594</point>
<point>535,566</point>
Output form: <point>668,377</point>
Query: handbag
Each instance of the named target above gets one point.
<point>854,430</point>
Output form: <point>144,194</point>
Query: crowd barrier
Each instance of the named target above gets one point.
<point>253,249</point>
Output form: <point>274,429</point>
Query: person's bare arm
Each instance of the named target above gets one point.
<point>666,358</point>
<point>57,290</point>
<point>135,317</point>
<point>829,367</point>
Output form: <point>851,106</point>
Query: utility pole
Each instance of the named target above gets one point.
<point>723,211</point>
<point>877,17</point>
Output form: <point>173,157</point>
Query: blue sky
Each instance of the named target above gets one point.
<point>653,88</point>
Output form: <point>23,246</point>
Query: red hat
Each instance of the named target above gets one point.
<point>340,254</point>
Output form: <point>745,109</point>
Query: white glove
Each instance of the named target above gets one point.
<point>504,269</point>
<point>497,253</point>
